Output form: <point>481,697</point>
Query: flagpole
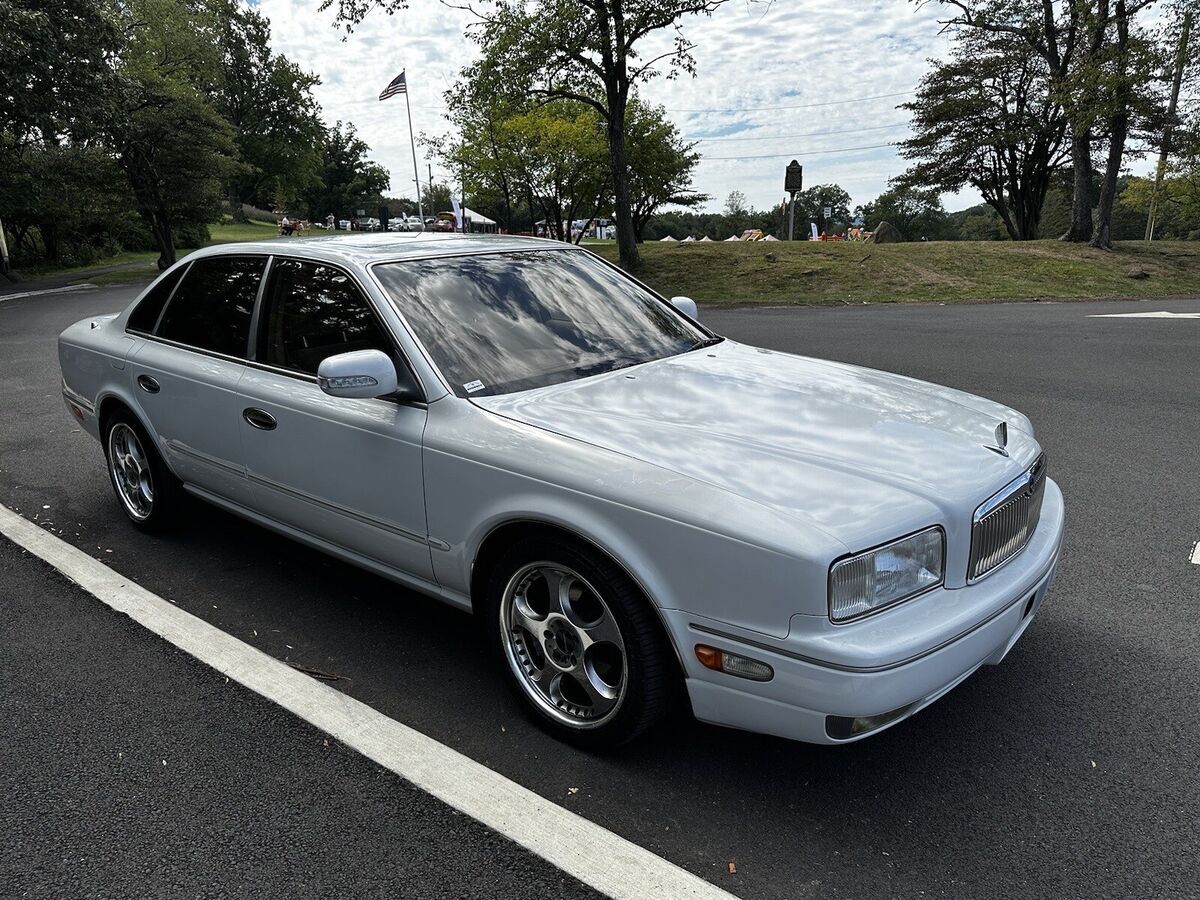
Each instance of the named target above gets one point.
<point>416,172</point>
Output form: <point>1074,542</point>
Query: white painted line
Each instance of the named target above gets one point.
<point>59,290</point>
<point>1196,553</point>
<point>597,857</point>
<point>1160,314</point>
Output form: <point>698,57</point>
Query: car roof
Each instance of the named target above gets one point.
<point>365,248</point>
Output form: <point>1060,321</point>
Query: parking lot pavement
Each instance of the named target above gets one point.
<point>1069,770</point>
<point>130,769</point>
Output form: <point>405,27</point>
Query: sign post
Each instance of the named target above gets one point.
<point>793,181</point>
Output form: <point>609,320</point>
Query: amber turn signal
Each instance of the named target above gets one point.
<point>732,664</point>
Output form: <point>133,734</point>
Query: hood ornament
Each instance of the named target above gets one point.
<point>1001,445</point>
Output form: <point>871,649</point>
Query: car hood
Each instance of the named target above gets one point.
<point>833,443</point>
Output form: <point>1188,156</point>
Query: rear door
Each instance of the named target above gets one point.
<point>347,471</point>
<point>186,375</point>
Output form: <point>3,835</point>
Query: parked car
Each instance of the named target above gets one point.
<point>644,515</point>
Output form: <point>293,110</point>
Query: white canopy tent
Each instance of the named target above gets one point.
<point>478,221</point>
<point>666,239</point>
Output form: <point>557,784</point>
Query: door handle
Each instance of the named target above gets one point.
<point>149,384</point>
<point>259,418</point>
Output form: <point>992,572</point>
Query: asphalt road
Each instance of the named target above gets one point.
<point>1071,770</point>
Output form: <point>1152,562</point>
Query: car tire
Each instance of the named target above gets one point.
<point>148,492</point>
<point>587,658</point>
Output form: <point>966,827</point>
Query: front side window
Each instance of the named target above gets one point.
<point>314,311</point>
<point>212,306</point>
<point>503,322</point>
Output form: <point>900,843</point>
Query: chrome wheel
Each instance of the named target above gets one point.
<point>563,645</point>
<point>130,470</point>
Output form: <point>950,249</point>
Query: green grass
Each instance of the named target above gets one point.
<point>812,273</point>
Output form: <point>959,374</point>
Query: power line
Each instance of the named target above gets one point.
<point>798,106</point>
<point>809,153</point>
<point>771,137</point>
<point>729,109</point>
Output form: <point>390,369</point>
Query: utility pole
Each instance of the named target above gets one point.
<point>1180,62</point>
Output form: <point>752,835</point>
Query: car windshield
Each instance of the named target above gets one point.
<point>503,322</point>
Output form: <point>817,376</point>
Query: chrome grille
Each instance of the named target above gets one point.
<point>1004,524</point>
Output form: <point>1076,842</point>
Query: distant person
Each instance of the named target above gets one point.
<point>286,227</point>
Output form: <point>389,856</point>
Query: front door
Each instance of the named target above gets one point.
<point>346,471</point>
<point>186,380</point>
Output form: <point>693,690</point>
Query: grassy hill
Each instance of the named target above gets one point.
<point>812,272</point>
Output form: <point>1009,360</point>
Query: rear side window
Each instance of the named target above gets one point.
<point>212,306</point>
<point>146,313</point>
<point>313,311</point>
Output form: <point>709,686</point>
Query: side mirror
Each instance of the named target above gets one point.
<point>687,306</point>
<point>361,374</point>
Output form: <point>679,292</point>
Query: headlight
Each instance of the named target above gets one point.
<point>877,578</point>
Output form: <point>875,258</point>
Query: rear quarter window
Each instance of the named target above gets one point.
<point>145,314</point>
<point>212,306</point>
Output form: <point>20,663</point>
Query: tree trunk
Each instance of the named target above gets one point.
<point>1118,130</point>
<point>1081,199</point>
<point>160,227</point>
<point>49,233</point>
<point>627,248</point>
<point>235,205</point>
<point>1102,238</point>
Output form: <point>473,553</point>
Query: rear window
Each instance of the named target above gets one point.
<point>146,313</point>
<point>212,306</point>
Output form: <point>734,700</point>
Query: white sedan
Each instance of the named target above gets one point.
<point>643,514</point>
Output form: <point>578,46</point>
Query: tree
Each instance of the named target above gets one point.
<point>812,203</point>
<point>661,164</point>
<point>916,212</point>
<point>1059,35</point>
<point>346,179</point>
<point>1098,68</point>
<point>1125,69</point>
<point>56,63</point>
<point>435,198</point>
<point>986,117</point>
<point>268,101</point>
<point>176,151</point>
<point>735,204</point>
<point>564,49</point>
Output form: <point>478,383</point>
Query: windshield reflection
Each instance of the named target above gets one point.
<point>497,323</point>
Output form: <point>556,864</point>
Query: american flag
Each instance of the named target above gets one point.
<point>396,86</point>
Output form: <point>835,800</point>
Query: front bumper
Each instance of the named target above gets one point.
<point>901,661</point>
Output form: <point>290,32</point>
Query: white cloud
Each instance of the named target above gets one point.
<point>749,55</point>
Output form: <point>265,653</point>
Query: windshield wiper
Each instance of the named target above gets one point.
<point>706,342</point>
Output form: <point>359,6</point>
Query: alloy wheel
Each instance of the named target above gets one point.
<point>130,470</point>
<point>563,645</point>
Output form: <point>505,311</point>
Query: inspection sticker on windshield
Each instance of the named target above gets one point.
<point>473,386</point>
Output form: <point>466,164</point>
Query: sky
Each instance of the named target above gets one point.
<point>817,82</point>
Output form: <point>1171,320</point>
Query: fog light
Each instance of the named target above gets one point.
<point>732,664</point>
<point>844,727</point>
